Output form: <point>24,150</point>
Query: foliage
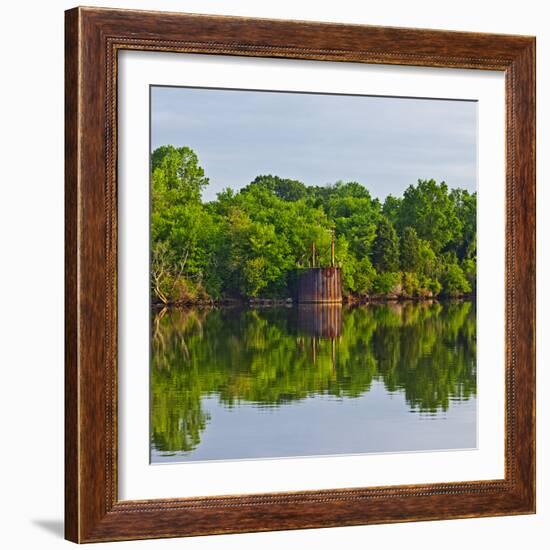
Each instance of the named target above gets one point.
<point>387,283</point>
<point>410,284</point>
<point>469,269</point>
<point>365,276</point>
<point>251,242</point>
<point>410,250</point>
<point>285,189</point>
<point>465,207</point>
<point>385,250</point>
<point>453,281</point>
<point>429,208</point>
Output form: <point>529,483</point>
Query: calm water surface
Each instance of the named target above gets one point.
<point>234,383</point>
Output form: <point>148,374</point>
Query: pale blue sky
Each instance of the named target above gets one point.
<point>384,143</point>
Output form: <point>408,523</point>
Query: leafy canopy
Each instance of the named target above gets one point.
<point>254,241</point>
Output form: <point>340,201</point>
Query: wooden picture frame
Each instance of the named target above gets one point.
<point>93,511</point>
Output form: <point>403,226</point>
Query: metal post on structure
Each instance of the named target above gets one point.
<point>332,260</point>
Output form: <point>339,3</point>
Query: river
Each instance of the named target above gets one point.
<point>242,383</point>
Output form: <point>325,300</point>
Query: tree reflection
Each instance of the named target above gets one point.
<point>269,357</point>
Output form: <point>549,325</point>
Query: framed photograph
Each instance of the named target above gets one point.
<point>300,275</point>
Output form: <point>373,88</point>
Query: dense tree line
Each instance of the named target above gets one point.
<point>253,242</point>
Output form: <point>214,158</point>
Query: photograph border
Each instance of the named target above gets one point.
<point>93,38</point>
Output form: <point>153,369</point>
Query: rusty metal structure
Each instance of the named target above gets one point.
<point>320,285</point>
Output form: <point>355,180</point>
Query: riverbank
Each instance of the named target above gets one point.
<point>349,300</point>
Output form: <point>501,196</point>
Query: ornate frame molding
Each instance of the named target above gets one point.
<point>93,38</point>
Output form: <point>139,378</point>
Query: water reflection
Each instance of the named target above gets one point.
<point>320,320</point>
<point>313,362</point>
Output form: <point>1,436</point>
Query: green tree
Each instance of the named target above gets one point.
<point>365,276</point>
<point>285,189</point>
<point>428,208</point>
<point>391,208</point>
<point>176,172</point>
<point>411,284</point>
<point>453,281</point>
<point>465,205</point>
<point>410,250</point>
<point>187,240</point>
<point>385,251</point>
<point>254,241</point>
<point>427,260</point>
<point>386,283</point>
<point>470,271</point>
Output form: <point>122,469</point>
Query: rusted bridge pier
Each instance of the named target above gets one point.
<point>321,285</point>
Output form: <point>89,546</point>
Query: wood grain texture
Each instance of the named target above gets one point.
<point>93,38</point>
<point>71,270</point>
